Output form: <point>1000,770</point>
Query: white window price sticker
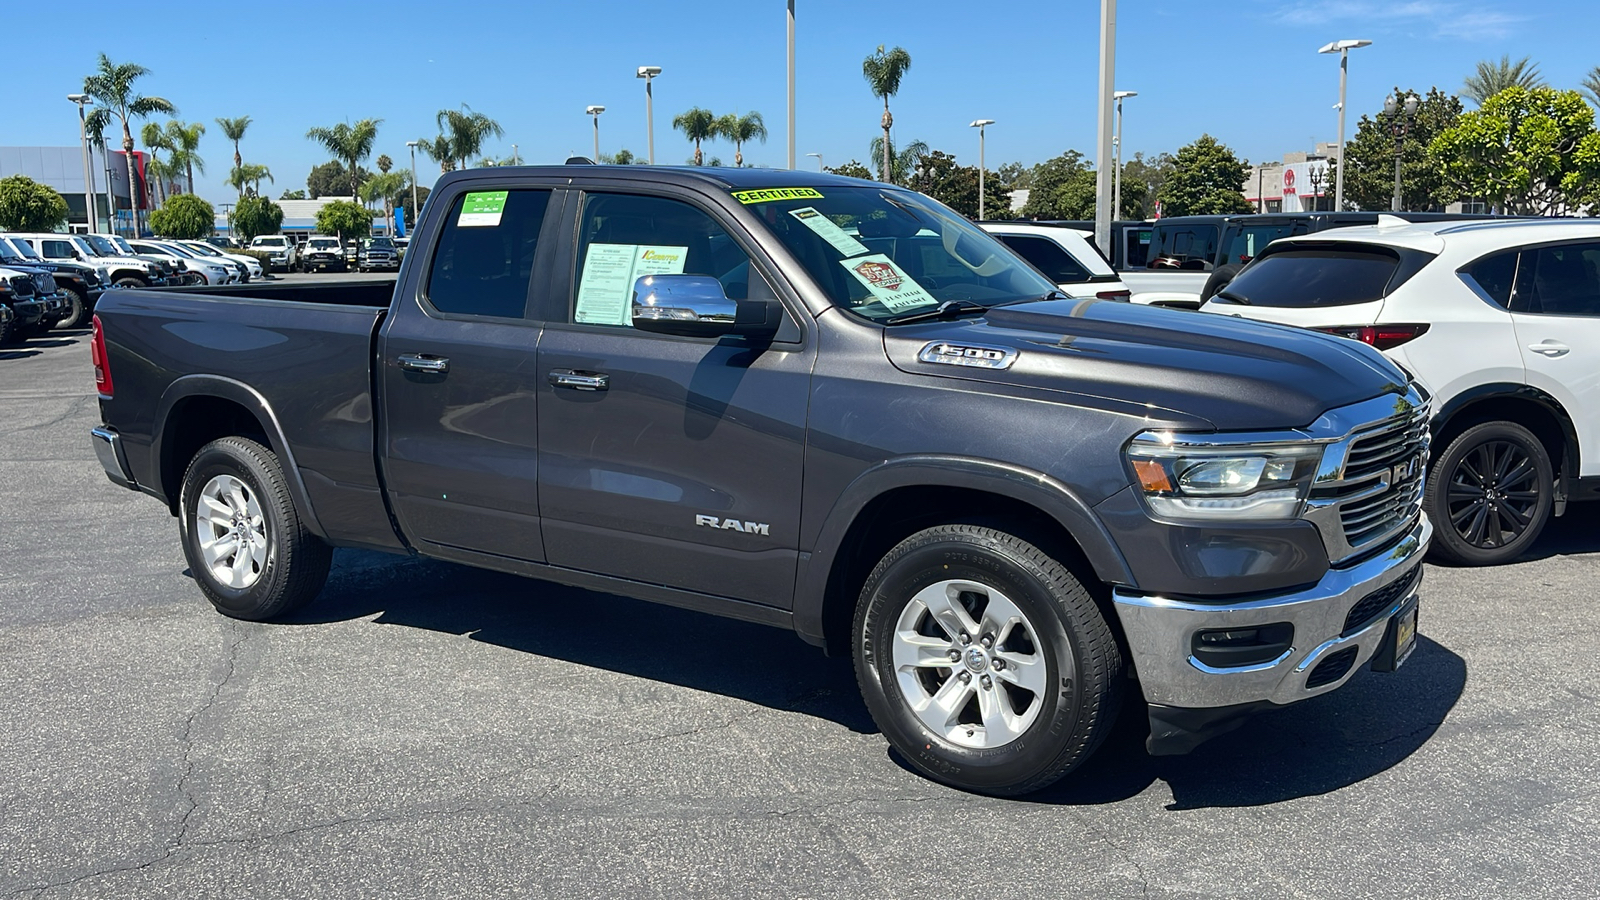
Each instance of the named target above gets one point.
<point>891,286</point>
<point>829,231</point>
<point>605,289</point>
<point>482,209</point>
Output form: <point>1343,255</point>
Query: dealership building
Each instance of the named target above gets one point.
<point>61,168</point>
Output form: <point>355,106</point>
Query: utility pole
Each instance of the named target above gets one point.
<point>791,84</point>
<point>1103,213</point>
<point>980,124</point>
<point>648,73</point>
<point>416,211</point>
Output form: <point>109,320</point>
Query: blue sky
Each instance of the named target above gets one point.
<point>1246,73</point>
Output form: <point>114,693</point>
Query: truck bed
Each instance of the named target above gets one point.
<point>376,292</point>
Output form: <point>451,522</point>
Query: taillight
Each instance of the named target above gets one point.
<point>1382,337</point>
<point>1123,295</point>
<point>102,362</point>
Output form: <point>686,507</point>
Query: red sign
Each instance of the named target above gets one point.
<point>1288,181</point>
<point>880,275</point>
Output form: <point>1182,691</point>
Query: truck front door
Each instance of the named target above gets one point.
<point>668,460</point>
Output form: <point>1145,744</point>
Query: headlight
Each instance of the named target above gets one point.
<point>1180,480</point>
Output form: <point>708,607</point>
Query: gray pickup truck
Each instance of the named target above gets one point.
<point>812,402</point>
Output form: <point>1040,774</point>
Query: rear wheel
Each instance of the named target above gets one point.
<point>130,281</point>
<point>247,547</point>
<point>78,311</point>
<point>1490,494</point>
<point>984,660</point>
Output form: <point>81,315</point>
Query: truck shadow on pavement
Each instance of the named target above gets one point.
<point>1310,748</point>
<point>1576,532</point>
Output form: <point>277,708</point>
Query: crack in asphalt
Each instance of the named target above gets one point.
<point>73,409</point>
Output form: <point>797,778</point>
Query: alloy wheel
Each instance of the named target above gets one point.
<point>1493,494</point>
<point>232,532</point>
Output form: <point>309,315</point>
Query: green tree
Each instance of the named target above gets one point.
<point>883,71</point>
<point>1062,187</point>
<point>1206,179</point>
<point>1014,175</point>
<point>184,141</point>
<point>113,88</point>
<point>184,217</point>
<point>902,161</point>
<point>411,211</point>
<point>1524,151</point>
<point>384,163</point>
<point>248,174</point>
<point>350,143</point>
<point>1591,86</point>
<point>440,150</point>
<point>1491,78</point>
<point>27,205</point>
<point>255,215</point>
<point>386,187</point>
<point>233,130</point>
<point>1142,179</point>
<point>956,186</point>
<point>156,142</point>
<point>292,195</point>
<point>467,130</point>
<point>740,129</point>
<point>330,179</point>
<point>851,169</point>
<point>697,124</point>
<point>345,219</point>
<point>623,157</point>
<point>1369,157</point>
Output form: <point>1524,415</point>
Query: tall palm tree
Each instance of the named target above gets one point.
<point>902,160</point>
<point>440,150</point>
<point>467,130</point>
<point>248,174</point>
<point>112,87</point>
<point>160,173</point>
<point>351,144</point>
<point>883,72</point>
<point>1493,77</point>
<point>384,163</point>
<point>233,130</point>
<point>1591,83</point>
<point>185,141</point>
<point>739,129</point>
<point>386,187</point>
<point>697,125</point>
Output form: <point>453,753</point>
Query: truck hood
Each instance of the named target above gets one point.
<point>1235,374</point>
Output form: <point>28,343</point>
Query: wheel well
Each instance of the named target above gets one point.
<point>194,422</point>
<point>895,515</point>
<point>1530,414</point>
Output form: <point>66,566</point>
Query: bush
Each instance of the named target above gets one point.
<point>344,218</point>
<point>255,215</point>
<point>184,217</point>
<point>27,205</point>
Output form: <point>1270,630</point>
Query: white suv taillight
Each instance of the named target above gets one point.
<point>1382,337</point>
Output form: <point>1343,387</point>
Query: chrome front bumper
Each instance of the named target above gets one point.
<point>1161,632</point>
<point>108,448</point>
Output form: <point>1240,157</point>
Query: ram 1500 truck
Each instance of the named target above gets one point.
<point>812,402</point>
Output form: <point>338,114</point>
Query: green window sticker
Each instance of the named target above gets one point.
<point>482,209</point>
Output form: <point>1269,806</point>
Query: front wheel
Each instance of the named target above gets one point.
<point>246,545</point>
<point>1489,494</point>
<point>130,281</point>
<point>77,312</point>
<point>984,660</point>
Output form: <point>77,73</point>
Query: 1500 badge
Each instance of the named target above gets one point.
<point>732,525</point>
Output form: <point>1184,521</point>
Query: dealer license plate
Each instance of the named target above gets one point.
<point>1399,640</point>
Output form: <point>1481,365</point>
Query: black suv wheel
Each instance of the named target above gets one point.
<point>1489,494</point>
<point>984,660</point>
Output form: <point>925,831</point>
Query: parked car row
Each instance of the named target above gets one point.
<point>328,253</point>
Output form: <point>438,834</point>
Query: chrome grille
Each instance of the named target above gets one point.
<point>1372,484</point>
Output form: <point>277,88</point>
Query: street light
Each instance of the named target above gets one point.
<point>647,73</point>
<point>791,85</point>
<point>820,166</point>
<point>1342,48</point>
<point>1103,213</point>
<point>1400,124</point>
<point>596,111</point>
<point>980,124</point>
<point>89,211</point>
<point>1116,193</point>
<point>416,212</point>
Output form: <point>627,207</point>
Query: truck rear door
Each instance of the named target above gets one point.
<point>458,375</point>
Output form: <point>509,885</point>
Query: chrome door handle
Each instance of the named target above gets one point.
<point>582,381</point>
<point>1550,348</point>
<point>421,362</point>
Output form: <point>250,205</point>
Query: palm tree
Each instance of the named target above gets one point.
<point>160,173</point>
<point>384,163</point>
<point>386,187</point>
<point>251,174</point>
<point>440,150</point>
<point>467,130</point>
<point>233,130</point>
<point>112,87</point>
<point>883,72</point>
<point>739,129</point>
<point>185,141</point>
<point>902,161</point>
<point>350,143</point>
<point>1591,83</point>
<point>1491,78</point>
<point>697,125</point>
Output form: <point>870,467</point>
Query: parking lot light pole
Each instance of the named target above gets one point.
<point>1342,48</point>
<point>1401,114</point>
<point>791,85</point>
<point>980,124</point>
<point>416,212</point>
<point>820,166</point>
<point>1116,191</point>
<point>596,111</point>
<point>89,211</point>
<point>1103,214</point>
<point>648,73</point>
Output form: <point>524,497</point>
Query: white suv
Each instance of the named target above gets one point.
<point>1500,320</point>
<point>1065,256</point>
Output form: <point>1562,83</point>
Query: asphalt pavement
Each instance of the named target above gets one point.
<point>427,730</point>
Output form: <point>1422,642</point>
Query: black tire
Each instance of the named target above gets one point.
<point>78,312</point>
<point>1066,634</point>
<point>296,562</point>
<point>8,330</point>
<point>1218,281</point>
<point>131,281</point>
<point>1489,495</point>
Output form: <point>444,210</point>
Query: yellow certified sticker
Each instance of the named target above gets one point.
<point>768,195</point>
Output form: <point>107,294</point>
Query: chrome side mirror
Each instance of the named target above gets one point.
<point>697,306</point>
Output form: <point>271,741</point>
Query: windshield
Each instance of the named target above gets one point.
<point>323,243</point>
<point>21,247</point>
<point>1245,242</point>
<point>178,250</point>
<point>202,249</point>
<point>84,247</point>
<point>380,243</point>
<point>882,253</point>
<point>121,244</point>
<point>103,245</point>
<point>268,242</point>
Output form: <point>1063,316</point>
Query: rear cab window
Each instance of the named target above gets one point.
<point>1327,275</point>
<point>483,262</point>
